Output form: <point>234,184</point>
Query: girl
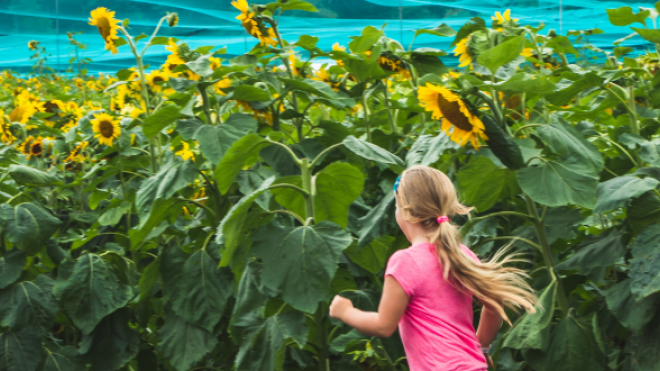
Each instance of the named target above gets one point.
<point>429,286</point>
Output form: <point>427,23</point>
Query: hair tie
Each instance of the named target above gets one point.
<point>442,219</point>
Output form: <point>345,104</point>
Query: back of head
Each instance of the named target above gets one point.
<point>423,195</point>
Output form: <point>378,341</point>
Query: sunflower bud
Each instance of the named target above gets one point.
<point>552,33</point>
<point>172,19</point>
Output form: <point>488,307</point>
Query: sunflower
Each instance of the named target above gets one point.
<point>107,25</point>
<point>337,47</point>
<point>33,45</point>
<point>292,64</point>
<point>323,75</point>
<point>445,103</point>
<point>5,132</point>
<point>393,64</point>
<point>527,52</point>
<point>106,127</point>
<point>22,114</point>
<point>254,27</point>
<point>222,84</point>
<point>51,106</point>
<point>77,154</point>
<point>24,147</point>
<point>172,19</point>
<point>263,113</point>
<point>36,147</point>
<point>506,16</point>
<point>461,51</point>
<point>185,153</point>
<point>215,63</point>
<point>156,78</point>
<point>175,57</point>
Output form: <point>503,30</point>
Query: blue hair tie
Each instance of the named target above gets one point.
<point>396,183</point>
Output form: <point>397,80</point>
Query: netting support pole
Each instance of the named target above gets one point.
<point>57,34</point>
<point>401,21</point>
<point>561,18</point>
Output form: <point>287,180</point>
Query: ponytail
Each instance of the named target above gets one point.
<point>424,194</point>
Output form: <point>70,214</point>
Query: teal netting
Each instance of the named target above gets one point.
<point>208,22</point>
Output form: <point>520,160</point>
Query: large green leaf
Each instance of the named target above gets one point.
<point>160,119</point>
<point>565,140</point>
<point>202,292</point>
<point>427,149</point>
<point>563,96</point>
<point>89,290</point>
<point>644,211</point>
<point>619,191</point>
<point>502,145</point>
<point>112,343</point>
<point>624,16</point>
<point>300,262</point>
<point>652,35</point>
<point>646,347</point>
<point>561,182</point>
<point>250,93</point>
<point>496,57</point>
<point>252,293</point>
<point>28,226</point>
<point>173,176</point>
<point>215,141</point>
<point>372,223</point>
<point>631,313</point>
<point>481,183</point>
<point>526,83</point>
<point>231,227</point>
<point>337,186</point>
<point>528,332</point>
<point>373,152</point>
<point>231,164</point>
<point>573,347</point>
<point>149,278</point>
<point>11,266</point>
<point>442,30</point>
<point>30,176</point>
<point>290,198</point>
<point>596,251</point>
<point>20,350</point>
<point>263,342</point>
<point>182,343</point>
<point>372,257</point>
<point>361,44</point>
<point>65,358</point>
<point>645,265</point>
<point>28,303</point>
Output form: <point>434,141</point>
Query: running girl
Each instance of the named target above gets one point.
<point>429,286</point>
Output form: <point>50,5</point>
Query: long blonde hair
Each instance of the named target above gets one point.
<point>423,195</point>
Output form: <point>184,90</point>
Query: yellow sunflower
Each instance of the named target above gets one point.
<point>446,104</point>
<point>22,113</point>
<point>264,113</point>
<point>36,147</point>
<point>461,51</point>
<point>156,78</point>
<point>215,63</point>
<point>24,147</point>
<point>292,64</point>
<point>107,25</point>
<point>172,19</point>
<point>106,128</point>
<point>173,58</point>
<point>33,45</point>
<point>185,153</point>
<point>323,75</point>
<point>253,27</point>
<point>222,84</point>
<point>5,132</point>
<point>77,154</point>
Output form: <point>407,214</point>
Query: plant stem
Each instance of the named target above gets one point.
<point>205,104</point>
<point>547,253</point>
<point>366,116</point>
<point>387,106</point>
<point>319,321</point>
<point>306,174</point>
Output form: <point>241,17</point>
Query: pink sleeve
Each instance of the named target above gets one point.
<point>404,270</point>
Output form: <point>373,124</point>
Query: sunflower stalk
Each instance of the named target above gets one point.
<point>389,109</point>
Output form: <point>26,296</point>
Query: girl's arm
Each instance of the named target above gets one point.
<point>382,323</point>
<point>489,325</point>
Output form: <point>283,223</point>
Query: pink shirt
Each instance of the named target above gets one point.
<point>436,328</point>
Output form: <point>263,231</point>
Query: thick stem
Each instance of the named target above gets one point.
<point>306,173</point>
<point>547,254</point>
<point>205,104</point>
<point>323,354</point>
<point>366,117</point>
<point>387,106</point>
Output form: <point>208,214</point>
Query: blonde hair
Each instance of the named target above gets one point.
<point>423,195</point>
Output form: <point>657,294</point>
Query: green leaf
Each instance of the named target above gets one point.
<point>231,226</point>
<point>373,152</point>
<point>341,342</point>
<point>28,226</point>
<point>472,25</point>
<point>561,44</point>
<point>527,83</point>
<point>644,346</point>
<point>481,183</point>
<point>528,332</point>
<point>372,257</point>
<point>172,176</point>
<point>202,292</point>
<point>215,141</point>
<point>252,293</point>
<point>426,64</point>
<point>442,30</point>
<point>361,44</point>
<point>634,315</point>
<point>645,265</point>
<point>624,16</point>
<point>28,303</point>
<point>427,149</point>
<point>250,93</point>
<point>20,350</point>
<point>573,348</point>
<point>596,251</point>
<point>160,210</point>
<point>160,119</point>
<point>337,186</point>
<point>89,290</point>
<point>235,158</point>
<point>201,66</point>
<point>562,182</point>
<point>644,211</point>
<point>30,176</point>
<point>586,81</point>
<point>160,40</point>
<point>564,140</point>
<point>64,358</point>
<point>112,343</point>
<point>11,267</point>
<point>648,35</point>
<point>298,5</point>
<point>364,69</point>
<point>149,278</point>
<point>496,57</point>
<point>502,145</point>
<point>264,339</point>
<point>372,223</point>
<point>300,262</point>
<point>183,344</point>
<point>619,191</point>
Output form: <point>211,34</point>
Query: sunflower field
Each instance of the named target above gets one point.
<point>200,215</point>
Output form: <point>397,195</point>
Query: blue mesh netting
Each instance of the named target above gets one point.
<point>205,22</point>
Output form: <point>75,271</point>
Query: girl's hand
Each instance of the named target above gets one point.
<point>339,306</point>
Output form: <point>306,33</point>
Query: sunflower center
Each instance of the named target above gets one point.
<point>452,112</point>
<point>158,79</point>
<point>103,24</point>
<point>50,106</point>
<point>36,149</point>
<point>107,129</point>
